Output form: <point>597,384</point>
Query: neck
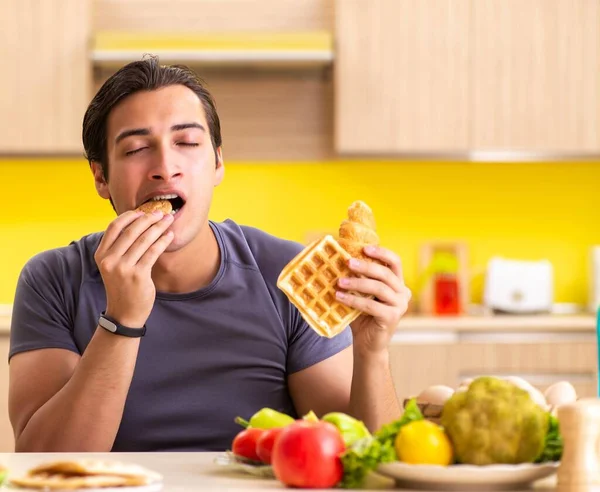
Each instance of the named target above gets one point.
<point>189,268</point>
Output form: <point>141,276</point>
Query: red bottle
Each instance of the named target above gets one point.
<point>446,294</point>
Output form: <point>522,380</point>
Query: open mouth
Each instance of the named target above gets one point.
<point>176,201</point>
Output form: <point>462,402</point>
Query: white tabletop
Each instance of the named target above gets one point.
<point>182,472</point>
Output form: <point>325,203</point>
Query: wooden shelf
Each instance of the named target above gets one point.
<point>294,49</point>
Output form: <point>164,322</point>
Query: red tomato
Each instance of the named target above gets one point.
<point>307,455</point>
<point>244,444</point>
<point>264,445</point>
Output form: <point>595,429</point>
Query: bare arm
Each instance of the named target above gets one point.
<point>60,402</point>
<point>358,381</point>
<point>348,383</point>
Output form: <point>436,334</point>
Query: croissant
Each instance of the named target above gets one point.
<point>358,231</point>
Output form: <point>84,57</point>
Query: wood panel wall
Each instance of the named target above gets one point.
<point>271,115</point>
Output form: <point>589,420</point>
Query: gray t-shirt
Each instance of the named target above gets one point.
<point>207,356</point>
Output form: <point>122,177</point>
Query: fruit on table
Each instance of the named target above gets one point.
<point>350,428</point>
<point>266,418</point>
<point>244,443</point>
<point>423,443</point>
<point>436,395</point>
<point>307,455</point>
<point>560,393</point>
<point>495,421</point>
<point>265,443</point>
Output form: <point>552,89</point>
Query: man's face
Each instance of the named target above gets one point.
<point>158,143</point>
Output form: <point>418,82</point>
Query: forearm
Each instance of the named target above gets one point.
<point>86,413</point>
<point>373,397</point>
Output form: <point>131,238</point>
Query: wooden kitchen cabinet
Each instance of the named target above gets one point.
<point>431,77</point>
<point>46,75</point>
<point>540,357</point>
<point>401,76</point>
<point>416,366</point>
<point>535,75</point>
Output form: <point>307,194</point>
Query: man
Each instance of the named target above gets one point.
<point>203,333</point>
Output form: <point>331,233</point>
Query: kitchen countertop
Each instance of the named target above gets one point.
<point>466,323</point>
<point>189,471</point>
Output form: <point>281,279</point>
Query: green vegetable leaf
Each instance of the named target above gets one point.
<point>553,446</point>
<point>365,454</point>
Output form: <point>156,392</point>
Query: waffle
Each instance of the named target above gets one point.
<point>310,281</point>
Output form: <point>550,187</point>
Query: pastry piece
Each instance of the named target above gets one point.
<point>163,205</point>
<point>310,280</point>
<point>49,481</point>
<point>86,473</point>
<point>358,231</point>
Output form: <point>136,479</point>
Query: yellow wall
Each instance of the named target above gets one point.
<point>530,211</point>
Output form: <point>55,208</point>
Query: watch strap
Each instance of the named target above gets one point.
<point>114,326</point>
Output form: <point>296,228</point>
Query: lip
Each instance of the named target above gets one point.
<point>166,191</point>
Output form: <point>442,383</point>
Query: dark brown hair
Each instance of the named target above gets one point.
<point>143,75</point>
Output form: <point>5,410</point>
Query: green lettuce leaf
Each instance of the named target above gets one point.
<point>366,454</point>
<point>553,446</point>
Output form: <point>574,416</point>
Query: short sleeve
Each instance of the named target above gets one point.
<point>307,348</point>
<point>40,318</point>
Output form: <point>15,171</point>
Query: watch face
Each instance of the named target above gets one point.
<point>109,325</point>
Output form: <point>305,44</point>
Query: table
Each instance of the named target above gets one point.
<point>185,472</point>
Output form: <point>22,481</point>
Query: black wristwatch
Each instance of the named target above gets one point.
<point>113,326</point>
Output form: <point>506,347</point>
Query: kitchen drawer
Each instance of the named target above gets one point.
<point>545,353</point>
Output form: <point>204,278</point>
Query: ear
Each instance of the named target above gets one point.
<point>220,167</point>
<point>99,181</point>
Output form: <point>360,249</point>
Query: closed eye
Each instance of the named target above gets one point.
<point>188,144</point>
<point>135,151</point>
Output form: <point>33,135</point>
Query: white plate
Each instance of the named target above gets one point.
<point>154,487</point>
<point>235,463</point>
<point>465,477</point>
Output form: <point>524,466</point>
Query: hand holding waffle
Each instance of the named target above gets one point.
<point>349,280</point>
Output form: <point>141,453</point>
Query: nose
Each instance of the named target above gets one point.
<point>165,166</point>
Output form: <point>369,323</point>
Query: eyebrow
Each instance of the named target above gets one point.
<point>146,131</point>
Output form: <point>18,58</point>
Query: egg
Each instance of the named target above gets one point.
<point>436,395</point>
<point>560,393</point>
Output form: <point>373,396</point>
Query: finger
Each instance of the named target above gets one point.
<point>370,287</point>
<point>388,257</point>
<point>115,228</point>
<point>147,239</point>
<point>378,272</point>
<point>364,304</point>
<point>152,254</point>
<point>133,232</point>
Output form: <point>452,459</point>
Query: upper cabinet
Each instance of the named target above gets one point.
<point>430,76</point>
<point>535,75</point>
<point>402,76</point>
<point>46,76</point>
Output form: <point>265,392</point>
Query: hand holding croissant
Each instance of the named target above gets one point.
<point>381,294</point>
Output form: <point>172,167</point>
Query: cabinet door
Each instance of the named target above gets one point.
<point>415,366</point>
<point>540,358</point>
<point>401,76</point>
<point>46,79</point>
<point>535,75</point>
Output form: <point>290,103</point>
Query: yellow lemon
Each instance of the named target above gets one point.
<point>422,442</point>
